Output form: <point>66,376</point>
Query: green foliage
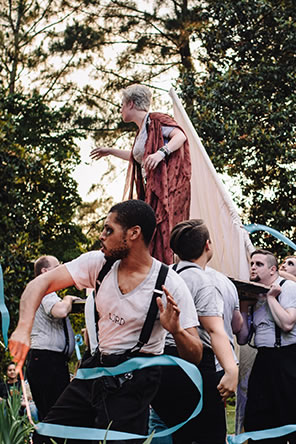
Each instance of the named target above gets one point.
<point>38,196</point>
<point>14,429</point>
<point>245,107</point>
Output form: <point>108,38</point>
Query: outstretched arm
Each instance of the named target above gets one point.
<point>187,340</point>
<point>103,151</point>
<point>53,280</point>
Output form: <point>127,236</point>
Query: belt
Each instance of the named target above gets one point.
<point>115,359</point>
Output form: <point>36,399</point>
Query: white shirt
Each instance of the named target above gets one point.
<point>122,315</point>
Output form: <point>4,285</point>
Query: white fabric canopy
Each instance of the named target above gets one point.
<point>211,202</point>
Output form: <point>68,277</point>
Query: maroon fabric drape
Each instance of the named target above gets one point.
<point>167,188</point>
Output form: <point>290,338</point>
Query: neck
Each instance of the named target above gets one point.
<point>137,260</point>
<point>139,118</point>
<point>271,280</point>
<point>12,381</point>
<point>201,261</point>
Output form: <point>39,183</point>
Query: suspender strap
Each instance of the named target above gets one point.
<point>66,331</point>
<point>153,310</point>
<point>105,269</point>
<point>182,269</point>
<point>278,341</point>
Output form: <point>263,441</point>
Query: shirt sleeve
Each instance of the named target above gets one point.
<point>49,301</point>
<point>166,130</point>
<point>86,268</point>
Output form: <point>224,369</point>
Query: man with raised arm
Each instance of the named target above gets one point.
<point>122,301</point>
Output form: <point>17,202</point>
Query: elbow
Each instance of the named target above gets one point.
<point>287,326</point>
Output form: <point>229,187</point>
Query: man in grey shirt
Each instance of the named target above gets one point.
<point>190,240</point>
<point>52,343</point>
<point>272,383</point>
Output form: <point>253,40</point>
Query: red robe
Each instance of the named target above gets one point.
<point>167,188</point>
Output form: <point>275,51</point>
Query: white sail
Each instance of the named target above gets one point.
<point>211,202</point>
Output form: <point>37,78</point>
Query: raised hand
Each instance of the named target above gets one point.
<point>99,151</point>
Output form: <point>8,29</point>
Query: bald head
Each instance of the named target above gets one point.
<point>45,263</point>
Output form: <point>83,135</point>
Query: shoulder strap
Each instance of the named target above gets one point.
<point>104,270</point>
<point>153,310</point>
<point>66,331</point>
<point>251,328</point>
<point>182,269</point>
<point>278,341</point>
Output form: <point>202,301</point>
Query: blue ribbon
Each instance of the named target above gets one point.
<point>78,342</point>
<point>3,310</point>
<point>67,432</point>
<point>251,228</point>
<point>262,434</point>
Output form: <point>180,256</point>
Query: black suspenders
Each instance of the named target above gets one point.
<point>153,308</point>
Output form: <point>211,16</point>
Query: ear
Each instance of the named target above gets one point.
<point>130,104</point>
<point>273,270</point>
<point>44,270</point>
<point>135,232</point>
<point>207,245</point>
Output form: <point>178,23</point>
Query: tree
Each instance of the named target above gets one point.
<point>38,197</point>
<point>245,106</point>
<point>28,55</point>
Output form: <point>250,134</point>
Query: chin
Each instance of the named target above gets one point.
<point>255,279</point>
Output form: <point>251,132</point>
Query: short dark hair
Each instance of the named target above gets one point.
<point>188,239</point>
<point>41,262</point>
<point>136,212</point>
<point>271,259</point>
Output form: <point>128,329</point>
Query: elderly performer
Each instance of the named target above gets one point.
<point>160,166</point>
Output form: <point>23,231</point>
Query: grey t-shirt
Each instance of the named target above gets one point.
<point>231,303</point>
<point>263,320</point>
<point>48,332</point>
<point>207,298</point>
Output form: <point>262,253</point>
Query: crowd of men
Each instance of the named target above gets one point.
<point>196,313</point>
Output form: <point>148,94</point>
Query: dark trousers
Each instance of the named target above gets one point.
<point>96,402</point>
<point>48,376</point>
<point>177,397</point>
<point>272,392</point>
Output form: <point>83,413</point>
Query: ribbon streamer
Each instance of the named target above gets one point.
<point>262,434</point>
<point>78,343</point>
<point>60,431</point>
<point>251,228</point>
<point>3,310</point>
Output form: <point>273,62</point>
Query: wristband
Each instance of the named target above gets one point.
<point>162,152</point>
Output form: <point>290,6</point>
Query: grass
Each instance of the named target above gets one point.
<point>230,416</point>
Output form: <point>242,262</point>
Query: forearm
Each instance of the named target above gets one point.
<point>29,303</point>
<point>176,141</point>
<point>62,309</point>
<point>286,275</point>
<point>242,335</point>
<point>189,346</point>
<point>237,322</point>
<point>285,319</point>
<point>121,154</point>
<point>222,349</point>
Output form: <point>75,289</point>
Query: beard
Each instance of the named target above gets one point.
<point>118,253</point>
<point>255,279</point>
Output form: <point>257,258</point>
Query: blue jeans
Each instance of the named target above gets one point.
<point>155,423</point>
